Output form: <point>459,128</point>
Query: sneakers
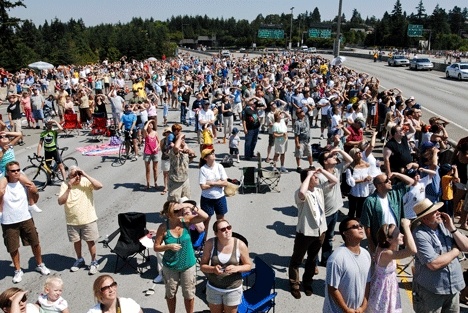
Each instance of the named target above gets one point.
<point>34,208</point>
<point>321,136</point>
<point>93,267</point>
<point>158,279</point>
<point>283,169</point>
<point>18,276</point>
<point>41,268</point>
<point>299,169</point>
<point>76,266</point>
<point>308,290</point>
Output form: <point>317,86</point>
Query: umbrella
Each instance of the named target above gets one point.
<point>152,59</point>
<point>338,60</point>
<point>40,65</point>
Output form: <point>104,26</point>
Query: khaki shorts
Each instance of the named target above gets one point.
<point>231,297</point>
<point>26,230</point>
<point>151,157</point>
<point>186,279</point>
<point>87,232</point>
<point>178,190</point>
<point>304,150</point>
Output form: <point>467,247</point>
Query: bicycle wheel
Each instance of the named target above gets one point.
<point>37,175</point>
<point>67,163</point>
<point>122,153</point>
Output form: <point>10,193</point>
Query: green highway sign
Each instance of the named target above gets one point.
<point>271,33</point>
<point>320,32</point>
<point>415,30</point>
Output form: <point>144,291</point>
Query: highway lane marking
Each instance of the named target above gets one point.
<point>446,91</point>
<point>406,282</point>
<point>440,115</point>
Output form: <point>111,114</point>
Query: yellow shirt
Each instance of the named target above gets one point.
<point>447,187</point>
<point>79,208</point>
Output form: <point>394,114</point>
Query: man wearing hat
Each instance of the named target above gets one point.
<point>438,276</point>
<point>48,140</point>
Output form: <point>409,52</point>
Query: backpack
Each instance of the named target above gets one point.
<point>227,161</point>
<point>345,188</point>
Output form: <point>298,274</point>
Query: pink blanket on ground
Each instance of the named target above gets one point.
<point>99,150</point>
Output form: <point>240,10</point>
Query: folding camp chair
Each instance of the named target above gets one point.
<point>71,125</point>
<point>248,179</point>
<point>98,128</point>
<point>261,296</point>
<point>267,179</point>
<point>132,227</point>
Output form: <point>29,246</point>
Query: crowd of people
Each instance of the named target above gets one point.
<point>411,196</point>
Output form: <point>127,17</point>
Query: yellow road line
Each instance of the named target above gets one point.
<point>406,281</point>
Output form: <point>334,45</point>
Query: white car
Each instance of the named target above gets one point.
<point>225,53</point>
<point>457,70</point>
<point>421,64</point>
<point>398,60</point>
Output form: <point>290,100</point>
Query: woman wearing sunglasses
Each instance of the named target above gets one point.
<point>13,300</point>
<point>105,293</point>
<point>228,257</point>
<point>173,238</point>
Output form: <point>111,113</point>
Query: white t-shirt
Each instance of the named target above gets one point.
<point>217,172</point>
<point>388,216</point>
<point>415,194</point>
<point>205,116</point>
<point>127,305</point>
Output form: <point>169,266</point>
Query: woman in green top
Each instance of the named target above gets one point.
<point>173,238</point>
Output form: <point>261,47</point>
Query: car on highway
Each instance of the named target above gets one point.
<point>398,60</point>
<point>457,70</point>
<point>312,50</point>
<point>225,53</point>
<point>421,64</point>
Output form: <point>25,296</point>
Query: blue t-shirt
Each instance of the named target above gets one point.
<point>127,119</point>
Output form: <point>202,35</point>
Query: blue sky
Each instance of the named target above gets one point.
<point>113,11</point>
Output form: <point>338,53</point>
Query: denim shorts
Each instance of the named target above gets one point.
<point>212,206</point>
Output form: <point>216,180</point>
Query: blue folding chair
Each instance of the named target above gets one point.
<point>261,296</point>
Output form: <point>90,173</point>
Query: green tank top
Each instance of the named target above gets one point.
<point>185,257</point>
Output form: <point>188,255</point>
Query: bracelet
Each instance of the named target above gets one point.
<point>454,231</point>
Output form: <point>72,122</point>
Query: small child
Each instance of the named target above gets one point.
<point>234,141</point>
<point>449,177</point>
<point>165,110</point>
<point>51,300</point>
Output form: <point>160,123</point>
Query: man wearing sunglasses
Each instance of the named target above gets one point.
<point>17,221</point>
<point>348,271</point>
<point>385,205</point>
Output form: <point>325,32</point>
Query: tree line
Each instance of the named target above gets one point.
<point>73,42</point>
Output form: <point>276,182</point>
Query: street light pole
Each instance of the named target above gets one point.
<point>290,31</point>
<point>338,31</point>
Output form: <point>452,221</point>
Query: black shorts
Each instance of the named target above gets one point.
<point>134,134</point>
<point>234,151</point>
<point>53,155</point>
<point>271,140</point>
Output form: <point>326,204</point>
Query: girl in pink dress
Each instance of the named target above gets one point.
<point>151,152</point>
<point>384,296</point>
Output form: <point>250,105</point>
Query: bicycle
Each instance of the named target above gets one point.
<point>44,172</point>
<point>126,149</point>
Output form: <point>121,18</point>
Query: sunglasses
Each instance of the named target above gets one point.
<point>355,226</point>
<point>3,136</point>
<point>385,181</point>
<point>105,288</point>
<point>15,171</point>
<point>225,228</point>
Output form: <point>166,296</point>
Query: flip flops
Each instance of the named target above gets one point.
<point>150,291</point>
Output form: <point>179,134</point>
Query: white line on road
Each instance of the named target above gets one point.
<point>446,91</point>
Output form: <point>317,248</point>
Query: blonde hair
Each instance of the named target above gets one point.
<point>52,279</point>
